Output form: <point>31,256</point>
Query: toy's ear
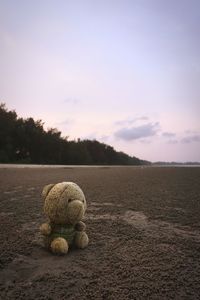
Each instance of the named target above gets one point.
<point>46,190</point>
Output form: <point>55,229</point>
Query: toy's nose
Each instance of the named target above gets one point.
<point>75,210</point>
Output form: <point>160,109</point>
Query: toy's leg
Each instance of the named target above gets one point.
<point>81,239</point>
<point>59,246</point>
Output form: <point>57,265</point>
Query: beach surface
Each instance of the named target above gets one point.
<point>144,229</point>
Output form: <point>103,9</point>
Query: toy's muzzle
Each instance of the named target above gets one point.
<point>75,211</point>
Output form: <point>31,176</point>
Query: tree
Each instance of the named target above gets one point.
<point>26,141</point>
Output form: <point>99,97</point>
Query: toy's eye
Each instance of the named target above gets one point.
<point>70,200</point>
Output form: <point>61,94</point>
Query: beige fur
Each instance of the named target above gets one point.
<point>45,229</point>
<point>81,240</point>
<point>59,246</point>
<point>65,206</point>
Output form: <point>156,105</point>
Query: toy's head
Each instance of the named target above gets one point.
<point>64,203</point>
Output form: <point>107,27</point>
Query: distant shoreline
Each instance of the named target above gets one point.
<point>21,166</point>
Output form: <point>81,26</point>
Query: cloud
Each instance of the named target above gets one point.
<point>71,100</point>
<point>191,139</point>
<point>96,136</point>
<point>130,121</point>
<point>145,141</point>
<point>168,134</point>
<point>134,133</point>
<point>65,123</point>
<point>173,142</point>
<point>187,138</point>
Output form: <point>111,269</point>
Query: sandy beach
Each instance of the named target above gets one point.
<point>144,229</point>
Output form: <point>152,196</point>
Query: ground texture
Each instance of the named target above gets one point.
<point>144,229</point>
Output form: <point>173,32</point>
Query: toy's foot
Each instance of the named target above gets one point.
<point>81,239</point>
<point>59,246</point>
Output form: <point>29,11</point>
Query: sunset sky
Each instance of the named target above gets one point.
<point>124,72</point>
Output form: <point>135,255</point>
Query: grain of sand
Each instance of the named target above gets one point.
<point>144,230</point>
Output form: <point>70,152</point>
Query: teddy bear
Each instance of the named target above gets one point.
<point>65,206</point>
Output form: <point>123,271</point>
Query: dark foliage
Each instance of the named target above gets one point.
<point>26,141</point>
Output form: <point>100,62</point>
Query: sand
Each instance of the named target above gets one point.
<point>144,230</point>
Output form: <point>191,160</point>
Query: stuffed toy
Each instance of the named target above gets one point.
<point>65,206</point>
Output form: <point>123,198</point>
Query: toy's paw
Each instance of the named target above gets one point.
<point>80,226</point>
<point>59,246</point>
<point>81,239</point>
<point>45,229</point>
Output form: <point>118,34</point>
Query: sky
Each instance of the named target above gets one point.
<point>124,72</point>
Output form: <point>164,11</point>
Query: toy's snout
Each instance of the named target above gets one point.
<point>76,211</point>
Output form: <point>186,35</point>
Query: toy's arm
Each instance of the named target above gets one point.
<point>80,226</point>
<point>45,229</point>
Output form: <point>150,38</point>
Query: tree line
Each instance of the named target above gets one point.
<point>26,141</point>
